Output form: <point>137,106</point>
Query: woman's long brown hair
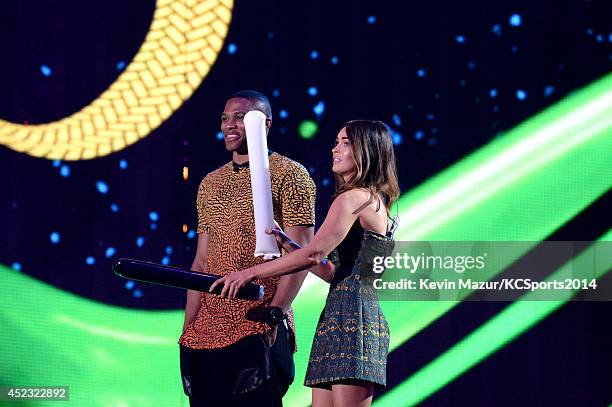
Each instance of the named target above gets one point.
<point>375,160</point>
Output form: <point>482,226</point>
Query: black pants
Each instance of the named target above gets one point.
<point>247,373</point>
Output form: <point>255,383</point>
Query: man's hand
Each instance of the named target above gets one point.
<point>233,282</point>
<point>271,335</point>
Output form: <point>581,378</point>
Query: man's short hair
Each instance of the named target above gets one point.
<point>259,101</point>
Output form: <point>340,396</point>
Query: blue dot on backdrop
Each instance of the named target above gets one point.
<point>65,171</point>
<point>110,252</point>
<point>102,187</point>
<point>515,20</point>
<point>521,94</point>
<point>319,108</point>
<point>46,70</point>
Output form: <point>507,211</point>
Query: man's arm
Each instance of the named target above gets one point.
<point>290,284</point>
<point>199,264</point>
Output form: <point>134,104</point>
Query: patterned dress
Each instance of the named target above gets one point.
<point>352,337</point>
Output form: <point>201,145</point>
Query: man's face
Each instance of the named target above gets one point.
<point>232,124</point>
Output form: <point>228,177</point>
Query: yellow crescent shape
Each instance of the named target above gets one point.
<point>182,44</point>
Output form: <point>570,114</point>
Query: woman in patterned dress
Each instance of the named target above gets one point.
<point>349,352</point>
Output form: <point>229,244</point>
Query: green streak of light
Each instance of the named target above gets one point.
<point>522,186</point>
<point>494,334</point>
<point>107,355</point>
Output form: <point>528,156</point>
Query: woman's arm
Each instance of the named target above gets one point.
<point>334,229</point>
<point>323,270</point>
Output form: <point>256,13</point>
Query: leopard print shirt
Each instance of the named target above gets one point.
<point>225,212</point>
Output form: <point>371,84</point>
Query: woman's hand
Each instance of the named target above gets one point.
<point>282,239</point>
<point>325,269</point>
<point>233,282</point>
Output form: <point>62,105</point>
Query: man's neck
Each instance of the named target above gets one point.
<point>239,158</point>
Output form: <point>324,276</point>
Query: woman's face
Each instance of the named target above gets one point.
<point>343,160</point>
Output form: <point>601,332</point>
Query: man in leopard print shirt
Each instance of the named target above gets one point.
<point>227,359</point>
